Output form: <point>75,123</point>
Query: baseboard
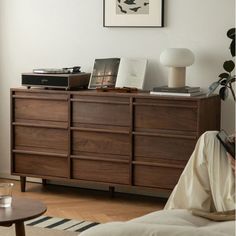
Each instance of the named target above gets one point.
<point>8,176</point>
<point>13,177</point>
<point>117,189</point>
<point>54,182</point>
<point>86,186</point>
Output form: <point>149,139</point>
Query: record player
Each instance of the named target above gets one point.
<point>52,78</point>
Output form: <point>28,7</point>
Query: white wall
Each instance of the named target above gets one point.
<point>60,33</point>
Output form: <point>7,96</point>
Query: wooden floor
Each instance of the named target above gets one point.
<point>97,206</point>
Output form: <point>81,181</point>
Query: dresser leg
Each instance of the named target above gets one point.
<point>22,183</point>
<point>20,229</point>
<point>44,182</point>
<point>112,191</point>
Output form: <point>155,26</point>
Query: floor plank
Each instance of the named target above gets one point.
<point>92,205</point>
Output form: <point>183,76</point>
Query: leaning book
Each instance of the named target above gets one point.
<point>177,94</point>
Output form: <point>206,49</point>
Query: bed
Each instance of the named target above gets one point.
<point>176,222</point>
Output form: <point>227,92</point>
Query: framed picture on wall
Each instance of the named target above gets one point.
<point>133,13</point>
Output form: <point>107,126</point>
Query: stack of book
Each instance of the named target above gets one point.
<point>180,91</point>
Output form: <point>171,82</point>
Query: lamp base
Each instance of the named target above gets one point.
<point>177,77</point>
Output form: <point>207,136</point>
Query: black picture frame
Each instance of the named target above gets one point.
<point>154,19</point>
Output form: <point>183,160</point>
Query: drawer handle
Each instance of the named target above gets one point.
<point>158,164</point>
<point>100,130</point>
<point>99,159</point>
<point>40,126</point>
<point>165,135</point>
<point>40,153</point>
<point>100,102</point>
<point>165,105</point>
<point>39,98</point>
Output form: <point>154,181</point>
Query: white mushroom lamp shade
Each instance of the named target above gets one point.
<point>178,59</point>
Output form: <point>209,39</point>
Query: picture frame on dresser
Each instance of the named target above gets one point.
<point>132,72</point>
<point>104,73</point>
<point>133,13</point>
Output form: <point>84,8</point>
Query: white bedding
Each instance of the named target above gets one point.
<point>164,223</point>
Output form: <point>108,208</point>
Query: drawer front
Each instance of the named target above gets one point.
<point>41,139</point>
<point>100,142</point>
<point>152,148</point>
<point>165,118</point>
<point>156,177</point>
<point>100,114</point>
<point>40,165</point>
<point>100,171</point>
<point>40,109</point>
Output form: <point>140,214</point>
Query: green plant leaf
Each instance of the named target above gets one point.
<point>232,48</point>
<point>224,92</point>
<point>223,82</point>
<point>231,33</point>
<point>229,66</point>
<point>224,75</point>
<point>232,80</point>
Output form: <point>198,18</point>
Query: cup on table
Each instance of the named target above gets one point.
<point>6,194</point>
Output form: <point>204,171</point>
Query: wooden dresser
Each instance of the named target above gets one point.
<point>136,140</point>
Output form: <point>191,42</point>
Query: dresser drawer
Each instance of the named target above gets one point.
<point>40,165</point>
<point>153,148</point>
<point>40,109</point>
<point>100,171</point>
<point>156,177</point>
<point>41,139</point>
<point>165,117</point>
<point>101,112</point>
<point>100,142</point>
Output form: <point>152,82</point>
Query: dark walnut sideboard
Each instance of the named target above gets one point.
<point>136,140</point>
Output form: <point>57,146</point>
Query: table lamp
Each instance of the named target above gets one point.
<point>178,59</point>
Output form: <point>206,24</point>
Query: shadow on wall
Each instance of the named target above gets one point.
<point>155,75</point>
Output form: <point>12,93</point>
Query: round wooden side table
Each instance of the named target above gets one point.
<point>21,210</point>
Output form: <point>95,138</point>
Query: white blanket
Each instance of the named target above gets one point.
<point>207,184</point>
<point>164,223</point>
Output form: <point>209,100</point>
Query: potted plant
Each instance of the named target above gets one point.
<point>227,78</point>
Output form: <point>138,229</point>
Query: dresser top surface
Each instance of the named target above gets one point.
<point>139,94</point>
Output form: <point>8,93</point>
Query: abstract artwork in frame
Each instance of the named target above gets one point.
<point>133,13</point>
